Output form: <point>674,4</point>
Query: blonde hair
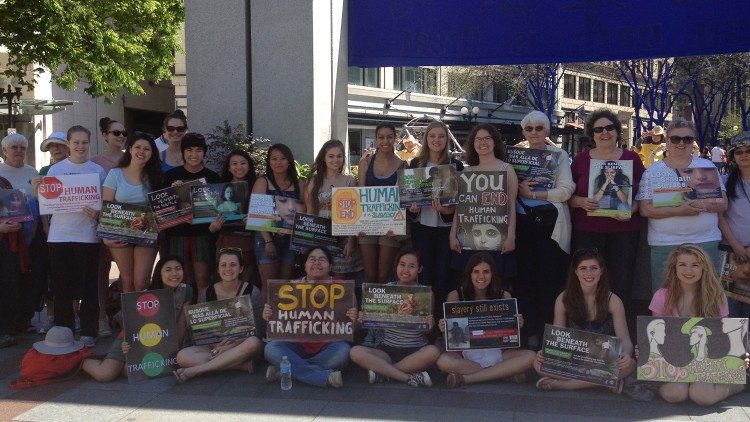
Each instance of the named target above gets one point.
<point>710,295</point>
<point>424,153</point>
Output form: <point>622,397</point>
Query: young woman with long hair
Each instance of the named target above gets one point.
<point>169,143</point>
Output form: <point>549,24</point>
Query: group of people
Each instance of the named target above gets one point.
<point>575,271</point>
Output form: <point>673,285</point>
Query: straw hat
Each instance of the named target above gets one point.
<point>658,130</point>
<point>53,138</point>
<point>58,341</point>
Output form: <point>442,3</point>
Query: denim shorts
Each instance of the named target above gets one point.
<point>283,253</point>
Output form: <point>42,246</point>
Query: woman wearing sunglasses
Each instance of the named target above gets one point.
<point>616,237</point>
<point>685,221</point>
<point>175,126</point>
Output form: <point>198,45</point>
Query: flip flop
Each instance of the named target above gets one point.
<point>250,367</point>
<point>179,376</point>
<point>545,383</point>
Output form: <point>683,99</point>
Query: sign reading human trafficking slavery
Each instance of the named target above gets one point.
<point>69,193</point>
<point>372,210</point>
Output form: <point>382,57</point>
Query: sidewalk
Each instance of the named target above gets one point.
<point>237,396</point>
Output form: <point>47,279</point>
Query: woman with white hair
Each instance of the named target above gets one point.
<point>543,249</point>
<point>18,173</point>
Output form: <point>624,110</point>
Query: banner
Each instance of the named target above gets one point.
<point>611,185</point>
<point>311,231</point>
<point>422,185</point>
<point>481,324</point>
<point>482,209</point>
<point>580,355</point>
<point>396,306</point>
<point>14,206</point>
<point>272,213</point>
<point>692,349</point>
<point>172,205</point>
<point>310,311</point>
<point>228,319</point>
<point>374,210</point>
<point>69,193</point>
<point>672,187</point>
<point>735,277</point>
<point>537,165</point>
<point>128,223</point>
<point>228,199</point>
<point>149,324</point>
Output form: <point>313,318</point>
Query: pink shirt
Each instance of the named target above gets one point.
<point>659,301</point>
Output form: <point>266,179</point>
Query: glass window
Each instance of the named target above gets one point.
<point>584,89</point>
<point>500,93</point>
<point>365,76</point>
<point>625,97</point>
<point>569,86</point>
<point>599,91</point>
<point>424,79</point>
<point>355,145</point>
<point>356,76</point>
<point>612,90</point>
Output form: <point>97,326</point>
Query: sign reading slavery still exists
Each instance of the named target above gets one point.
<point>149,325</point>
<point>69,193</point>
<point>396,306</point>
<point>128,223</point>
<point>217,320</point>
<point>310,311</point>
<point>372,210</point>
<point>482,209</point>
<point>481,324</point>
<point>706,350</point>
<point>580,355</point>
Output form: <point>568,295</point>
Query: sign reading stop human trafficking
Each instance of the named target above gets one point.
<point>69,193</point>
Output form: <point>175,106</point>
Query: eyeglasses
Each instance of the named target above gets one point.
<point>17,147</point>
<point>319,259</point>
<point>534,128</point>
<point>485,139</point>
<point>118,132</point>
<point>176,128</point>
<point>608,128</point>
<point>684,139</point>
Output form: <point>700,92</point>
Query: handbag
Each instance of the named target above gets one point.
<point>542,215</point>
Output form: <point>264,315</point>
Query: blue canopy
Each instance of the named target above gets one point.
<point>484,32</point>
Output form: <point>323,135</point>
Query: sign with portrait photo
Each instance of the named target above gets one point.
<point>172,206</point>
<point>14,206</point>
<point>481,324</point>
<point>373,210</point>
<point>580,355</point>
<point>482,209</point>
<point>228,199</point>
<point>671,187</point>
<point>537,165</point>
<point>611,185</point>
<point>396,306</point>
<point>735,277</point>
<point>422,185</point>
<point>272,213</point>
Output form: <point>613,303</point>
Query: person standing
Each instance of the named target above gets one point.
<point>170,152</point>
<point>57,147</point>
<point>718,155</point>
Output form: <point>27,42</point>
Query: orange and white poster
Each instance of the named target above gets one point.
<point>372,210</point>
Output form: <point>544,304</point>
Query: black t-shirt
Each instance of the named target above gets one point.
<point>180,173</point>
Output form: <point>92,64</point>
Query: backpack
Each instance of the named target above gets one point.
<point>39,369</point>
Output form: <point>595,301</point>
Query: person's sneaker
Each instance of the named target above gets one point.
<point>45,325</point>
<point>104,328</point>
<point>272,373</point>
<point>6,340</point>
<point>88,341</point>
<point>419,378</point>
<point>335,379</point>
<point>374,378</point>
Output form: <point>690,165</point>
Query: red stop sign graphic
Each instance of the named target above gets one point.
<point>147,305</point>
<point>51,187</point>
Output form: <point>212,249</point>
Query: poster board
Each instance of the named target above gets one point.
<point>228,199</point>
<point>481,324</point>
<point>311,231</point>
<point>374,210</point>
<point>14,206</point>
<point>482,209</point>
<point>580,355</point>
<point>212,322</point>
<point>69,193</point>
<point>422,185</point>
<point>537,165</point>
<point>611,185</point>
<point>735,277</point>
<point>396,306</point>
<point>126,222</point>
<point>172,205</point>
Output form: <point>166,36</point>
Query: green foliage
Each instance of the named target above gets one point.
<point>225,138</point>
<point>731,125</point>
<point>113,45</point>
<point>303,170</point>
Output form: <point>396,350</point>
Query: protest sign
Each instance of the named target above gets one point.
<point>396,306</point>
<point>128,223</point>
<point>580,355</point>
<point>481,324</point>
<point>272,213</point>
<point>482,209</point>
<point>228,319</point>
<point>172,205</point>
<point>372,210</point>
<point>671,187</point>
<point>611,185</point>
<point>735,277</point>
<point>14,206</point>
<point>310,311</point>
<point>311,231</point>
<point>228,199</point>
<point>149,326</point>
<point>422,185</point>
<point>537,165</point>
<point>69,193</point>
<point>706,350</point>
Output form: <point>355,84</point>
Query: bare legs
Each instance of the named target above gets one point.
<point>135,264</point>
<point>700,393</point>
<point>379,362</point>
<point>105,370</point>
<point>514,362</point>
<point>197,360</point>
<point>378,261</point>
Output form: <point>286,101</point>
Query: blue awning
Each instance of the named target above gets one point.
<point>484,32</point>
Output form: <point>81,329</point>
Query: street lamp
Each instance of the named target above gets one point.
<point>469,117</point>
<point>9,96</point>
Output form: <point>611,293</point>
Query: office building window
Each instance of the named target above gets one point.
<point>569,86</point>
<point>612,90</point>
<point>423,78</point>
<point>365,76</point>
<point>599,91</point>
<point>584,89</point>
<point>625,96</point>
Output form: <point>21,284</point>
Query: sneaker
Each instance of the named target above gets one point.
<point>374,378</point>
<point>104,328</point>
<point>272,373</point>
<point>335,379</point>
<point>44,326</point>
<point>6,340</point>
<point>419,378</point>
<point>88,341</point>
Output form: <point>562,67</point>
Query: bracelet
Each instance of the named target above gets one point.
<point>269,241</point>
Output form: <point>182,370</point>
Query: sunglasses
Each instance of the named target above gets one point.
<point>534,128</point>
<point>608,128</point>
<point>118,132</point>
<point>684,139</point>
<point>176,128</point>
<point>230,250</point>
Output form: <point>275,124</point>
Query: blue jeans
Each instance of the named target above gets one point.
<point>313,369</point>
<point>659,255</point>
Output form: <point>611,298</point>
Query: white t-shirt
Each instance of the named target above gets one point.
<point>700,228</point>
<point>161,144</point>
<point>20,178</point>
<point>717,154</point>
<point>74,227</point>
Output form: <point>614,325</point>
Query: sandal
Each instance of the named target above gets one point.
<point>250,367</point>
<point>455,380</point>
<point>178,374</point>
<point>519,378</point>
<point>617,388</point>
<point>545,383</point>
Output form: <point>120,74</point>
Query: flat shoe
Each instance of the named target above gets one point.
<point>179,376</point>
<point>455,380</point>
<point>545,383</point>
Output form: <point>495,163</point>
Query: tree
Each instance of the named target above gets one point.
<point>113,45</point>
<point>225,138</point>
<point>542,81</point>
